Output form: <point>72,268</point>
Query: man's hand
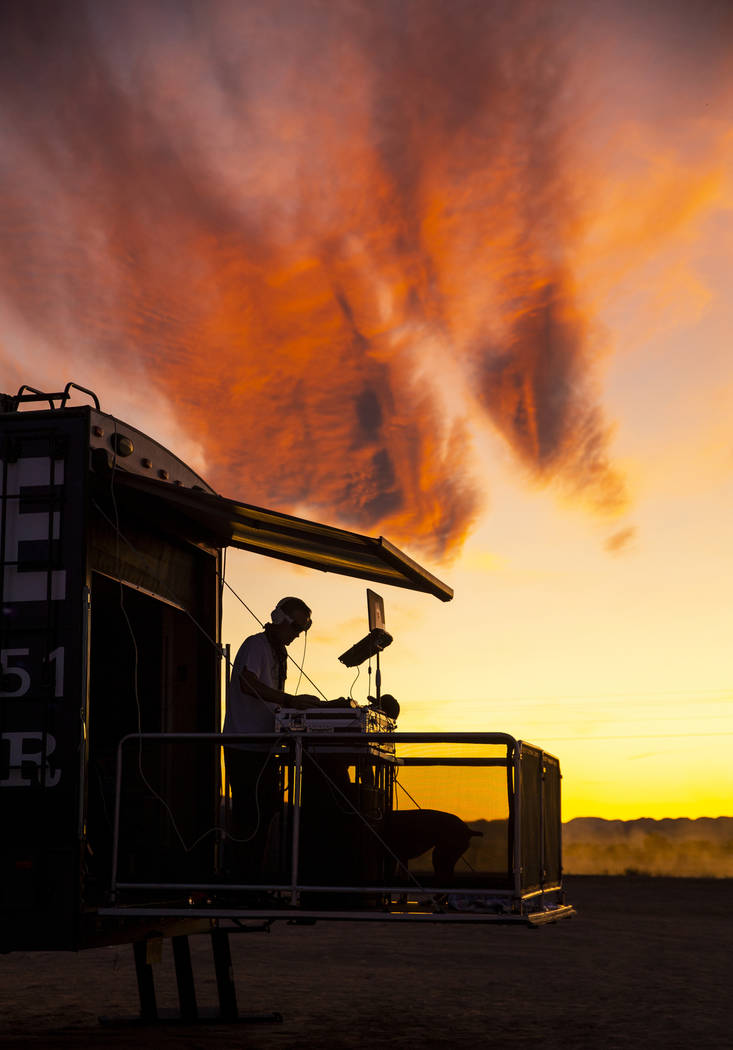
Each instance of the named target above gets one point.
<point>301,701</point>
<point>251,684</point>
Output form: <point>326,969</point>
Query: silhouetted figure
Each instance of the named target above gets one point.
<point>256,691</point>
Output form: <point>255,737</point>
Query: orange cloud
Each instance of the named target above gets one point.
<point>278,213</point>
<point>620,540</point>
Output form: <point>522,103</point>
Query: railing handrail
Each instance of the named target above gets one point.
<point>406,737</point>
<point>301,740</point>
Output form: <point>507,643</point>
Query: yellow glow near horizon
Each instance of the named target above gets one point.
<point>652,752</point>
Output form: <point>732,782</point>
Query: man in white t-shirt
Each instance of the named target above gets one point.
<point>257,685</point>
<point>256,690</point>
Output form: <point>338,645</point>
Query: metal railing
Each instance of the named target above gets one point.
<point>158,850</point>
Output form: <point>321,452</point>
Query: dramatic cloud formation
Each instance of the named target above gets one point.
<point>336,238</point>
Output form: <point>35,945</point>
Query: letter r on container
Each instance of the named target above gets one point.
<point>18,757</point>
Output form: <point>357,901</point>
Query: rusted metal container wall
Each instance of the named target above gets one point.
<point>110,624</point>
<point>43,711</point>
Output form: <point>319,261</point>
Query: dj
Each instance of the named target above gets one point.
<point>256,690</point>
<point>257,684</point>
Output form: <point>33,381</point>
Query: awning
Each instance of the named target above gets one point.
<point>208,518</point>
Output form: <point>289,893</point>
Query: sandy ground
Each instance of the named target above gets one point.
<point>646,963</point>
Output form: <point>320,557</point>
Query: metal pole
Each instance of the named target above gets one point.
<point>560,873</point>
<point>517,821</point>
<point>116,825</point>
<point>542,822</point>
<point>296,818</point>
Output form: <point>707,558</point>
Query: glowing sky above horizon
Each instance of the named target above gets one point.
<point>457,274</point>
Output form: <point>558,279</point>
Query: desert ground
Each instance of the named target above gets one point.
<point>646,963</point>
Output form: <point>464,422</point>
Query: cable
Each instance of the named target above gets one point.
<point>119,535</point>
<point>219,649</point>
<point>362,818</point>
<point>259,621</point>
<point>402,788</point>
<point>302,662</point>
<point>233,838</point>
<point>419,807</point>
<point>216,828</point>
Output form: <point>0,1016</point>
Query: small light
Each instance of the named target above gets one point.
<point>147,463</point>
<point>98,431</point>
<point>163,474</point>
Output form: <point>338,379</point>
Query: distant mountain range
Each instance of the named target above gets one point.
<point>683,847</point>
<point>701,848</point>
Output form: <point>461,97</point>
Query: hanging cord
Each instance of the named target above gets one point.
<point>166,806</point>
<point>400,786</point>
<point>417,804</point>
<point>268,756</point>
<point>302,662</point>
<point>136,688</point>
<point>219,649</point>
<point>352,808</point>
<point>119,536</point>
<point>259,621</point>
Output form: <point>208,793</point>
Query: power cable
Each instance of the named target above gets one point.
<point>351,807</point>
<point>259,621</point>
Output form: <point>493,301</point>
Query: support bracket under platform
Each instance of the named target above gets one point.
<point>147,952</point>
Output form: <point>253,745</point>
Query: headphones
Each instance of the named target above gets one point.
<point>278,614</point>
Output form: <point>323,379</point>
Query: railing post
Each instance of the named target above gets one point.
<point>116,825</point>
<point>296,818</point>
<point>542,822</point>
<point>518,820</point>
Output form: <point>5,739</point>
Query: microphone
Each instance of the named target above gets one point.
<point>371,644</point>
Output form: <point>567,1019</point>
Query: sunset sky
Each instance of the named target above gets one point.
<point>458,274</point>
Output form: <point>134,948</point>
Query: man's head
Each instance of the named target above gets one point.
<point>290,617</point>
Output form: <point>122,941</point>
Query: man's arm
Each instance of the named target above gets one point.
<point>251,684</point>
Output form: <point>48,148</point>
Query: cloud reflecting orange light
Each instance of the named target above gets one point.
<point>286,214</point>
